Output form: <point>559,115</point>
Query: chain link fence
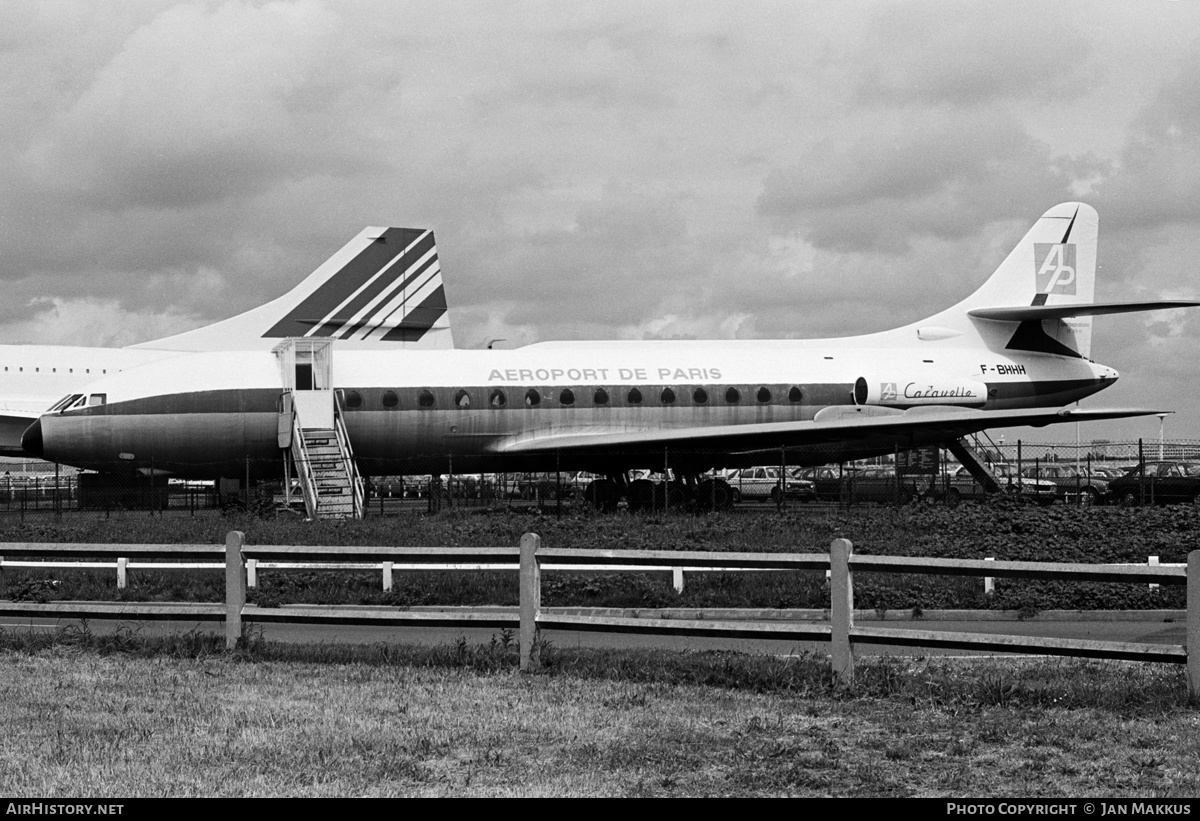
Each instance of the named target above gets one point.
<point>1083,473</point>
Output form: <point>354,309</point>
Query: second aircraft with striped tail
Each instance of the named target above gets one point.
<point>383,290</point>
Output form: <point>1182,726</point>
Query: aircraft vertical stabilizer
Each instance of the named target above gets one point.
<point>383,290</point>
<point>1053,266</point>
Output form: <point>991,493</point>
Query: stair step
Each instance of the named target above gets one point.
<point>332,492</point>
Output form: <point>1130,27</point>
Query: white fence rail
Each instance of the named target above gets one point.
<point>531,559</point>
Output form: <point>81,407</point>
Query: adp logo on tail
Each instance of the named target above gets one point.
<point>1054,264</point>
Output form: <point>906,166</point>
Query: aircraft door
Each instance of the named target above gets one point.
<point>306,367</point>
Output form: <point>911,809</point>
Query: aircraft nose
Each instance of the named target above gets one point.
<point>31,439</point>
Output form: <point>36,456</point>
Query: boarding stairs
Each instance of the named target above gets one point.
<point>967,453</point>
<point>312,430</point>
<point>328,477</point>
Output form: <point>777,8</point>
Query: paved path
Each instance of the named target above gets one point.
<point>1128,628</point>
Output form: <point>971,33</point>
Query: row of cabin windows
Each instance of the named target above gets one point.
<point>498,397</point>
<point>21,369</point>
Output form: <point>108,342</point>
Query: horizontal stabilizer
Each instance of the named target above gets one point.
<point>1025,313</point>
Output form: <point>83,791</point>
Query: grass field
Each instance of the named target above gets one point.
<point>124,715</point>
<point>92,716</point>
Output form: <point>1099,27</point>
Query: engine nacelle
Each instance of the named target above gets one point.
<point>904,393</point>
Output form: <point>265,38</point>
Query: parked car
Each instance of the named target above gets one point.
<point>872,483</point>
<point>764,483</point>
<point>541,486</point>
<point>962,485</point>
<point>1072,482</point>
<point>1160,482</point>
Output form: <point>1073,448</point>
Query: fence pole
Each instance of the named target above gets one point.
<point>841,610</point>
<point>1141,476</point>
<point>235,587</point>
<point>530,601</point>
<point>1192,637</point>
<point>387,577</point>
<point>122,568</point>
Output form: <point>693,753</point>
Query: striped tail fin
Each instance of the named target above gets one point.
<point>383,290</point>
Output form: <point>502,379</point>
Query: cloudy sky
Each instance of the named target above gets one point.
<point>602,170</point>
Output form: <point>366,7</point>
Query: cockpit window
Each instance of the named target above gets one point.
<point>66,402</point>
<point>97,398</point>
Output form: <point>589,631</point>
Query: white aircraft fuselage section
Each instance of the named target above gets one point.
<point>34,376</point>
<point>418,412</point>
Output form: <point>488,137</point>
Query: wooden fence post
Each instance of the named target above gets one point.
<point>531,601</point>
<point>677,579</point>
<point>122,569</point>
<point>387,574</point>
<point>841,611</point>
<point>1192,637</point>
<point>235,587</point>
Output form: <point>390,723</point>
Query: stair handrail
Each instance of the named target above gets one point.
<point>978,469</point>
<point>347,454</point>
<point>300,458</point>
<point>989,448</point>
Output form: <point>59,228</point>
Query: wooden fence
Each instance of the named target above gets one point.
<point>531,559</point>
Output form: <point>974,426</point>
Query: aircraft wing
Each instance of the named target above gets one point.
<point>1023,313</point>
<point>854,427</point>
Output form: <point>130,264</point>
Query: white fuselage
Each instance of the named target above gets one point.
<point>409,412</point>
<point>34,377</point>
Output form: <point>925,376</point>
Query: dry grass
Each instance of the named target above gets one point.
<point>128,717</point>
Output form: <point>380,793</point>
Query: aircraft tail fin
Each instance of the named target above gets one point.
<point>383,289</point>
<point>1052,267</point>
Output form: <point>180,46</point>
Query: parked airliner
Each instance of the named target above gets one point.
<point>382,289</point>
<point>1015,352</point>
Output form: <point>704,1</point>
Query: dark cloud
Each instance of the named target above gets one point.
<point>931,53</point>
<point>622,256</point>
<point>1158,180</point>
<point>165,125</point>
<point>942,177</point>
